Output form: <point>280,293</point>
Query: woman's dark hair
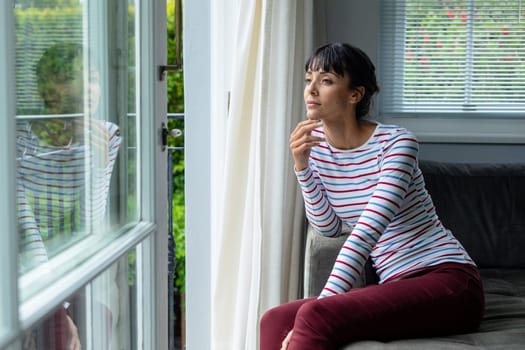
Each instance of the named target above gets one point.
<point>60,61</point>
<point>344,59</point>
<point>60,68</point>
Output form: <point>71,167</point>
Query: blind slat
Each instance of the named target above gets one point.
<point>438,55</point>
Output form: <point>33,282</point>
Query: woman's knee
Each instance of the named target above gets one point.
<point>276,319</point>
<point>308,315</point>
<point>282,314</point>
<point>267,320</point>
<point>270,317</point>
<point>313,318</point>
<point>274,325</point>
<point>313,329</point>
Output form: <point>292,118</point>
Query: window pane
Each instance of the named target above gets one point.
<point>75,132</point>
<point>8,272</point>
<point>100,316</point>
<point>453,56</point>
<point>498,53</point>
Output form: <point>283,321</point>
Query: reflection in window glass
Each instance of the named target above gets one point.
<point>100,316</point>
<point>75,131</point>
<point>131,121</point>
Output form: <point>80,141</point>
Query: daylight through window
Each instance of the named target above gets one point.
<point>453,56</point>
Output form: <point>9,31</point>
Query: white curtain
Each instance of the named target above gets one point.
<point>258,54</point>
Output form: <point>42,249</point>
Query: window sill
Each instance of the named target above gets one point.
<point>52,283</point>
<point>462,130</point>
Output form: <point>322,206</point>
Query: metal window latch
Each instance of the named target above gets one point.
<point>167,132</point>
<point>168,68</point>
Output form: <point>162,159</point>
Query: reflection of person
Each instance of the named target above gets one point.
<point>365,174</point>
<point>60,80</point>
<point>43,145</point>
<point>60,83</point>
<point>59,144</point>
<point>52,157</point>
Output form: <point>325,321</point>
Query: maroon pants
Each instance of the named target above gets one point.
<point>440,300</point>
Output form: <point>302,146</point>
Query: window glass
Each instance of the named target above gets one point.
<point>453,56</point>
<point>99,316</point>
<point>8,274</point>
<point>75,132</point>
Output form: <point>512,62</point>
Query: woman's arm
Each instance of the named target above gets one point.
<point>318,210</point>
<point>396,168</point>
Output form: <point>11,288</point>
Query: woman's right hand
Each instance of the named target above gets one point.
<point>286,340</point>
<point>302,141</point>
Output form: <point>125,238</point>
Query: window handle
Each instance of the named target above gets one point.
<point>167,132</point>
<point>168,68</point>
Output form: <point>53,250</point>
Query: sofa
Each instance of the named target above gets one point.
<point>484,206</point>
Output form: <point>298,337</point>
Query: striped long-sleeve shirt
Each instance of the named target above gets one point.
<point>377,190</point>
<point>61,190</point>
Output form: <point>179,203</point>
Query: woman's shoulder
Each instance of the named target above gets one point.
<point>394,132</point>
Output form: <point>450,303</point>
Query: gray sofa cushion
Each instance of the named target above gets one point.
<point>503,326</point>
<point>320,255</point>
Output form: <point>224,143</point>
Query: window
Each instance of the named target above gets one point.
<point>462,59</point>
<point>100,315</point>
<point>83,175</point>
<point>69,137</point>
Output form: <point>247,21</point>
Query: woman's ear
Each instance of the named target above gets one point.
<point>356,94</point>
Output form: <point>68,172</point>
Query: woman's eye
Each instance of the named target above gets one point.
<point>307,81</point>
<point>327,81</point>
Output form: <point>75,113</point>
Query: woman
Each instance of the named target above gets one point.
<point>365,174</point>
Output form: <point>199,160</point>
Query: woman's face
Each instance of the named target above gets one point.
<point>63,96</point>
<point>327,95</point>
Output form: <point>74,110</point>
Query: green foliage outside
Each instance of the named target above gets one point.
<point>46,3</point>
<point>175,81</point>
<point>41,25</point>
<point>436,49</point>
<point>35,17</point>
<point>38,28</point>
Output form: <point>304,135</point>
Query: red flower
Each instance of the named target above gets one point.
<point>450,14</point>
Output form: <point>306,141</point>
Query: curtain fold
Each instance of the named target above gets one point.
<point>257,209</point>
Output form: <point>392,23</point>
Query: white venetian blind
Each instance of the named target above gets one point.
<point>452,56</point>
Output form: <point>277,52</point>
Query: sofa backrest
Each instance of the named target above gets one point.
<point>484,206</point>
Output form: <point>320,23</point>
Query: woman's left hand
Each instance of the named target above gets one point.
<point>286,341</point>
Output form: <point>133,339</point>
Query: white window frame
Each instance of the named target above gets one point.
<point>153,257</point>
<point>149,235</point>
<point>198,119</point>
<point>456,128</point>
<point>9,247</point>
